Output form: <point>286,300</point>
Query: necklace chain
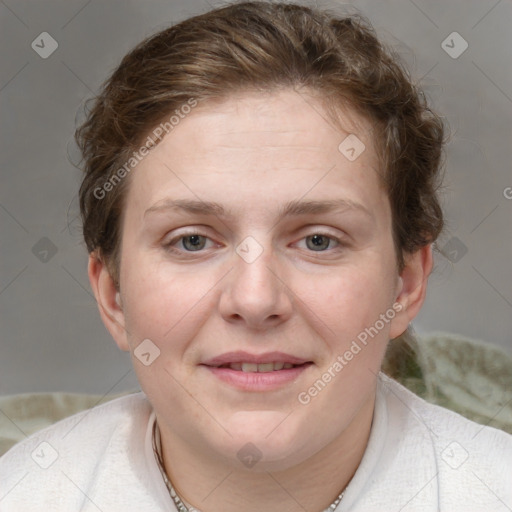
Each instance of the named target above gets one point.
<point>157,448</point>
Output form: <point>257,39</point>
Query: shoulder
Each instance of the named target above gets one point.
<point>472,462</point>
<point>58,461</point>
<point>97,423</point>
<point>441,421</point>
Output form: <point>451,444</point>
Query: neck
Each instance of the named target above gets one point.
<point>211,485</point>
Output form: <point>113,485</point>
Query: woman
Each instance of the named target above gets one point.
<point>259,205</point>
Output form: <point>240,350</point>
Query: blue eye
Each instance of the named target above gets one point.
<point>191,243</point>
<point>196,242</point>
<point>319,242</point>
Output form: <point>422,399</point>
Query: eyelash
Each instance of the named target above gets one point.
<point>169,245</point>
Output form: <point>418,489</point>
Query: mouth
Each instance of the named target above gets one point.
<point>261,367</point>
<point>257,372</point>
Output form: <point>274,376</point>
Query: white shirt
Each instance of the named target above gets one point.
<point>420,457</point>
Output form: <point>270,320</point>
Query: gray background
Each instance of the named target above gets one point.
<point>52,338</point>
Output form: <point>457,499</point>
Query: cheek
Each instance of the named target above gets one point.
<point>160,302</point>
<point>350,304</point>
<point>351,296</point>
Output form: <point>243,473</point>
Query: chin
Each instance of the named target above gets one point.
<point>266,441</point>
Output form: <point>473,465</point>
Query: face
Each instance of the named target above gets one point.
<point>250,238</point>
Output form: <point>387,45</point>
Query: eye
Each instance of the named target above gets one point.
<point>195,242</point>
<point>190,242</point>
<point>319,242</point>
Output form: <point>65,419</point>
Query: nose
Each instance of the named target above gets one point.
<point>256,293</point>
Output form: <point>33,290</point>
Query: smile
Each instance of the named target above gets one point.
<point>256,372</point>
<point>260,368</point>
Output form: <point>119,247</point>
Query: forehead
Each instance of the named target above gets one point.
<point>260,148</point>
<point>252,119</point>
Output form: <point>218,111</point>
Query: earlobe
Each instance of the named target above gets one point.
<point>108,299</point>
<point>412,288</point>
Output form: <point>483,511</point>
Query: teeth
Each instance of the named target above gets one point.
<point>260,368</point>
<point>266,367</point>
<point>249,367</point>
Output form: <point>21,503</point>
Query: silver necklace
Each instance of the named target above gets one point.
<point>157,448</point>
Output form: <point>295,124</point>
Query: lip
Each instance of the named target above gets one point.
<point>256,381</point>
<point>245,357</point>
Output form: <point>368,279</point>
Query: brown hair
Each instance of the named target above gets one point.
<point>263,46</point>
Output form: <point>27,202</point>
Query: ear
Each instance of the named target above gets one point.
<point>412,288</point>
<point>108,300</point>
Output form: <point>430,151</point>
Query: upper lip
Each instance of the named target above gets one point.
<point>246,357</point>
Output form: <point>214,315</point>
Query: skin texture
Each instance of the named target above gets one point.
<point>253,153</point>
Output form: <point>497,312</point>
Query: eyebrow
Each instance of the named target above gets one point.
<point>290,209</point>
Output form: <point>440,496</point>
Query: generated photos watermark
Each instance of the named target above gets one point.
<point>305,397</point>
<point>157,134</point>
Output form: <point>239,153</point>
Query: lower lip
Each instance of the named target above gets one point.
<point>256,381</point>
